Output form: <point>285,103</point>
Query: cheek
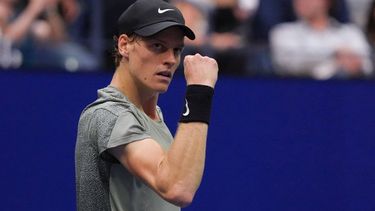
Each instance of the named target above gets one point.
<point>137,61</point>
<point>141,68</point>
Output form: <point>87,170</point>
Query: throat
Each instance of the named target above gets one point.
<point>148,106</point>
<point>152,114</point>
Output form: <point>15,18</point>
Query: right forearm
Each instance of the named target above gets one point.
<point>181,171</point>
<point>187,154</point>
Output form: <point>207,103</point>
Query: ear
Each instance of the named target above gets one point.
<point>123,45</point>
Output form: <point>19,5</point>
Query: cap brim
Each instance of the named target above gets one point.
<point>155,28</point>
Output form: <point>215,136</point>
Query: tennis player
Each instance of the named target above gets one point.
<point>126,158</point>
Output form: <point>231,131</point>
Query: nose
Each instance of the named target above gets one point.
<point>170,58</point>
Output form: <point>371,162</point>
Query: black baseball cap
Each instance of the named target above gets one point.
<point>148,17</point>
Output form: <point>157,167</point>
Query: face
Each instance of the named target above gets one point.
<point>309,9</point>
<point>152,61</point>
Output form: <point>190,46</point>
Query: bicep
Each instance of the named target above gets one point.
<point>141,158</point>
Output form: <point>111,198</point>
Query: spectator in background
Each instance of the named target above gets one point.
<point>196,18</point>
<point>228,34</point>
<point>269,14</point>
<point>37,28</point>
<point>228,28</point>
<point>12,32</point>
<point>273,12</point>
<point>72,13</point>
<point>318,46</point>
<point>49,39</point>
<point>220,30</point>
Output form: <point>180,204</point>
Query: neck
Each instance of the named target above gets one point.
<point>319,23</point>
<point>143,99</point>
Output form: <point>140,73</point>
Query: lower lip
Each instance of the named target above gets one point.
<point>164,78</point>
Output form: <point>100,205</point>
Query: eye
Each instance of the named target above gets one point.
<point>158,47</point>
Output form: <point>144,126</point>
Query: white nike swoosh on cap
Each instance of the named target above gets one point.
<point>160,11</point>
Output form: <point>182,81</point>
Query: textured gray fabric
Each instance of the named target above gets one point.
<point>101,182</point>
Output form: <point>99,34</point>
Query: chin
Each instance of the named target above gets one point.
<point>161,88</point>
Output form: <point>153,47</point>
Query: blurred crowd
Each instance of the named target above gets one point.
<point>320,39</point>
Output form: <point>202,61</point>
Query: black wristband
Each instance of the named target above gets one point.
<point>197,104</point>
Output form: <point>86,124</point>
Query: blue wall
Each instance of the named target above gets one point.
<point>286,145</point>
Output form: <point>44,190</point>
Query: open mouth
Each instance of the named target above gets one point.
<point>165,74</point>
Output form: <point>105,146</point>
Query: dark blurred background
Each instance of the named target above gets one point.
<point>323,39</point>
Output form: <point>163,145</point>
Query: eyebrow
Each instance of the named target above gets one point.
<point>165,43</point>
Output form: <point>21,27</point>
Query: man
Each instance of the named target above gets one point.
<point>126,158</point>
<point>318,46</point>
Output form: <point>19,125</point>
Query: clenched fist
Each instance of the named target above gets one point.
<point>200,70</point>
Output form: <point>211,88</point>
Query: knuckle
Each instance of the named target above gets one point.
<point>188,57</point>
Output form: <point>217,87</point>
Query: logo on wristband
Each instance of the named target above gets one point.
<point>187,112</point>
